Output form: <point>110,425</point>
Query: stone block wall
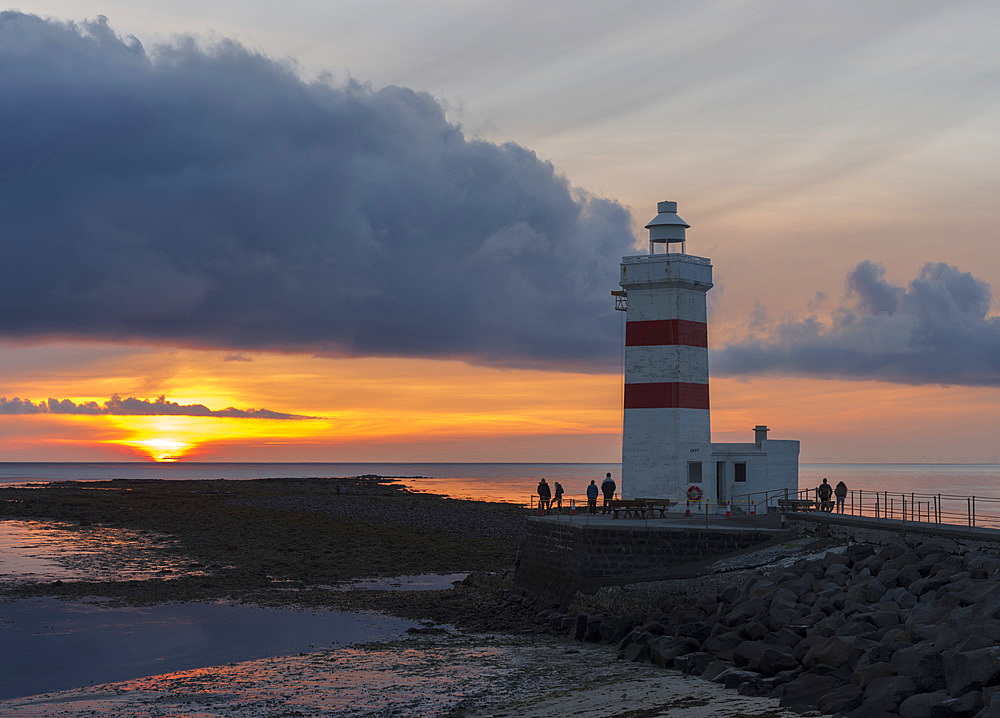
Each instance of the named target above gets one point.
<point>557,559</point>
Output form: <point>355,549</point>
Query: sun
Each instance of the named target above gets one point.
<point>162,449</point>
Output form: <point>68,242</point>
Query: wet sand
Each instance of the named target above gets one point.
<point>473,676</point>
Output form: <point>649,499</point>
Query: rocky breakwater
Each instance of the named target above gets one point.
<point>863,630</point>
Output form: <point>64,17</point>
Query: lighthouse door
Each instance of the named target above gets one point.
<point>720,481</point>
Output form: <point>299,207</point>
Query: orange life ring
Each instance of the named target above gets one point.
<point>694,493</point>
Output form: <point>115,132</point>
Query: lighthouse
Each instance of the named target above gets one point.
<point>666,429</point>
<point>667,449</point>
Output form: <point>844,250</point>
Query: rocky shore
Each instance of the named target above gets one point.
<point>911,628</point>
<point>275,540</point>
<point>905,629</point>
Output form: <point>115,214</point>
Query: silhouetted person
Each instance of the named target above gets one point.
<point>824,491</point>
<point>841,493</point>
<point>544,495</point>
<point>608,487</point>
<point>558,496</point>
<point>592,492</point>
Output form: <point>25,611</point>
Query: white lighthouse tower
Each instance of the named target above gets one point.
<point>667,449</point>
<point>666,432</point>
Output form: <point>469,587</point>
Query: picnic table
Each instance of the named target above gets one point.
<point>640,508</point>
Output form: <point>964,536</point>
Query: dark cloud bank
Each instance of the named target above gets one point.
<point>135,407</point>
<point>934,330</point>
<point>210,196</point>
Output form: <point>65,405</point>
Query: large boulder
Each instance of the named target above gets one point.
<point>921,663</point>
<point>665,649</point>
<point>884,695</point>
<point>722,644</point>
<point>803,693</point>
<point>972,670</point>
<point>923,705</point>
<point>840,699</point>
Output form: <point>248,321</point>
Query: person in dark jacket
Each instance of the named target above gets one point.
<point>592,492</point>
<point>544,495</point>
<point>558,496</point>
<point>841,493</point>
<point>608,488</point>
<point>825,491</point>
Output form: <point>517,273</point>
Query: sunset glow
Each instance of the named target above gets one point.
<point>412,258</point>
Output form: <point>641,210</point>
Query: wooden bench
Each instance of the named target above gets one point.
<point>640,508</point>
<point>796,504</point>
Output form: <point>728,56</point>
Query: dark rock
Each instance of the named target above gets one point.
<point>907,576</point>
<point>972,670</point>
<point>698,631</point>
<point>773,660</point>
<point>754,631</point>
<point>713,669</point>
<point>609,626</point>
<point>865,675</point>
<point>841,698</point>
<point>965,706</point>
<point>858,552</point>
<point>636,653</point>
<point>722,645</point>
<point>802,693</point>
<point>931,583</point>
<point>921,663</point>
<point>592,632</point>
<point>626,624</point>
<point>656,628</point>
<point>886,694</point>
<point>923,705</point>
<point>579,629</point>
<point>664,649</point>
<point>835,651</point>
<point>693,663</point>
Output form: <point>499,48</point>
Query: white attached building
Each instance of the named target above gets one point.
<point>666,427</point>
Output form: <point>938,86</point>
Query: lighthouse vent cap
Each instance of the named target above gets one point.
<point>667,226</point>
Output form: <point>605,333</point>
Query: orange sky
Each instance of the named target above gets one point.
<point>424,410</point>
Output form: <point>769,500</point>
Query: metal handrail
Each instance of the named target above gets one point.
<point>946,509</point>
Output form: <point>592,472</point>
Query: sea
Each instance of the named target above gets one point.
<point>511,482</point>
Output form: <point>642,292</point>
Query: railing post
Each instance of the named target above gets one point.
<point>973,511</point>
<point>903,499</point>
<point>968,516</point>
<point>861,502</point>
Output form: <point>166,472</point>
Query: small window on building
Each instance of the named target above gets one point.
<point>694,472</point>
<point>740,471</point>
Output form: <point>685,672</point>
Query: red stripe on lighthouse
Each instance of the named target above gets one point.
<point>666,395</point>
<point>666,332</point>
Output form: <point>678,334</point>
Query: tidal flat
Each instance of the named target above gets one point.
<point>274,547</point>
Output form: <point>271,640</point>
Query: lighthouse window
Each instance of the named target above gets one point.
<point>694,472</point>
<point>740,472</point>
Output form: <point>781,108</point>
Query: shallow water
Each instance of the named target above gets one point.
<point>53,551</point>
<point>64,644</point>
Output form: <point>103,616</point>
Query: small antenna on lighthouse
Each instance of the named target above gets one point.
<point>666,227</point>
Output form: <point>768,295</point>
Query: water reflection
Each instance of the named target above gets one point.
<point>53,551</point>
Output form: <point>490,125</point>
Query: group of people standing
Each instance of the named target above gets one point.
<point>824,491</point>
<point>548,496</point>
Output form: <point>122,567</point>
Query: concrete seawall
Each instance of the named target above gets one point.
<point>558,558</point>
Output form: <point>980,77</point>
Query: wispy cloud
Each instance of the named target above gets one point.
<point>935,330</point>
<point>135,407</point>
<point>207,195</point>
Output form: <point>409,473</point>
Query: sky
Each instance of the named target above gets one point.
<point>387,231</point>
